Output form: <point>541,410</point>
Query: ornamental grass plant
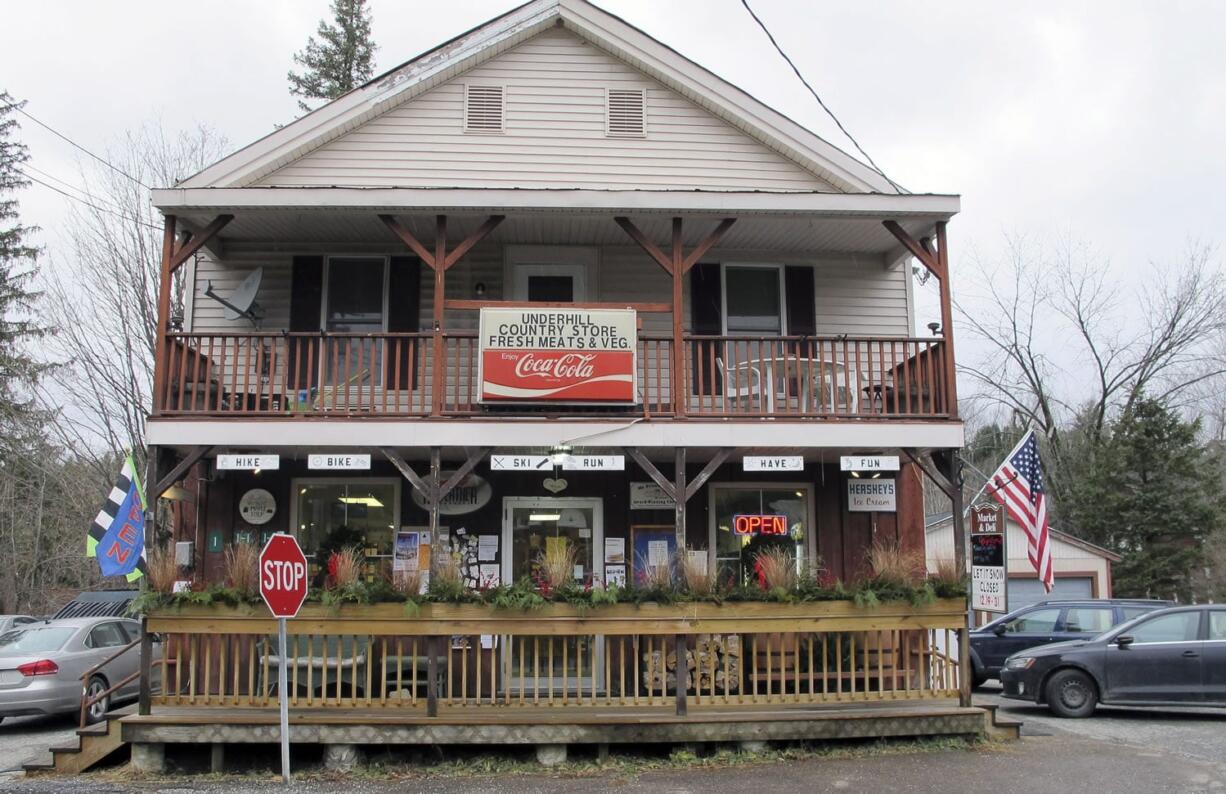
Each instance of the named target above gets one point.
<point>697,577</point>
<point>161,569</point>
<point>556,566</point>
<point>240,568</point>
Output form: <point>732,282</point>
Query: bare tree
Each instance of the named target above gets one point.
<point>1066,347</point>
<point>101,294</point>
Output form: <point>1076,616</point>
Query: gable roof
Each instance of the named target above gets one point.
<point>603,30</point>
<point>938,521</point>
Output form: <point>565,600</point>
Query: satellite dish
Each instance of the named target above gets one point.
<point>242,303</point>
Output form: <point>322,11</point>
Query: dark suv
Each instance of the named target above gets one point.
<point>1047,622</point>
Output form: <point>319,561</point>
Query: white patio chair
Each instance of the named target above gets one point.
<point>743,381</point>
<point>837,386</point>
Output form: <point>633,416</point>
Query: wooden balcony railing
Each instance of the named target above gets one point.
<point>392,374</point>
<point>485,661</point>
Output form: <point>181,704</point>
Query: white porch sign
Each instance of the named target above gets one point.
<point>868,462</point>
<point>773,463</point>
<point>519,462</point>
<point>339,462</point>
<point>870,496</point>
<point>248,462</point>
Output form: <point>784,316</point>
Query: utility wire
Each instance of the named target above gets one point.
<point>829,112</point>
<point>104,161</point>
<point>71,186</point>
<point>90,204</point>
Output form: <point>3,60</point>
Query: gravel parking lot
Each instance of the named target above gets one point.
<point>25,740</point>
<point>1192,733</point>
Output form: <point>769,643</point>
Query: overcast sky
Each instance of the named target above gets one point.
<point>1100,120</point>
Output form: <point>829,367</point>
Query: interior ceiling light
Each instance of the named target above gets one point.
<point>369,501</point>
<point>544,516</point>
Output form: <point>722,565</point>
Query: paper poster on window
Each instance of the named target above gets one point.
<point>615,576</point>
<point>487,548</point>
<point>490,575</point>
<point>698,560</point>
<point>406,556</point>
<point>657,553</point>
<point>615,551</point>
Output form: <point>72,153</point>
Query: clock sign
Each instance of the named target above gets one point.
<point>257,506</point>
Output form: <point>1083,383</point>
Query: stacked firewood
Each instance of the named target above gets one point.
<point>713,662</point>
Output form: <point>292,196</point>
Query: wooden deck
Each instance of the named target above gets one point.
<point>545,725</point>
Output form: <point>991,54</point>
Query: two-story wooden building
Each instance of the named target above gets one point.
<point>551,279</point>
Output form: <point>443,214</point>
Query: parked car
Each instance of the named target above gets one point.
<point>1170,657</point>
<point>1047,622</point>
<point>9,621</point>
<point>41,665</point>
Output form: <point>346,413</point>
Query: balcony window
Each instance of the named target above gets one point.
<point>753,302</point>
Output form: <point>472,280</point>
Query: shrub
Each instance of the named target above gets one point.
<point>776,569</point>
<point>698,578</point>
<point>160,568</point>
<point>894,566</point>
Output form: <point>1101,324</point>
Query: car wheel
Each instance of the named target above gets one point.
<point>1071,693</point>
<point>95,713</point>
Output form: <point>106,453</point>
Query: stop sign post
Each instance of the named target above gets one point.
<point>283,586</point>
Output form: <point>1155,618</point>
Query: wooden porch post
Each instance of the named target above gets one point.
<point>677,264</point>
<point>440,262</point>
<point>679,497</point>
<point>937,263</point>
<point>438,384</point>
<point>947,321</point>
<point>159,350</point>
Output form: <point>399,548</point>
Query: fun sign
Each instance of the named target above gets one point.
<point>283,575</point>
<point>558,355</point>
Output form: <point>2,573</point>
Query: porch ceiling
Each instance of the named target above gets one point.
<point>784,222</point>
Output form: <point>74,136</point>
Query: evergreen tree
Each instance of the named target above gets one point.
<point>19,370</point>
<point>1154,497</point>
<point>342,58</point>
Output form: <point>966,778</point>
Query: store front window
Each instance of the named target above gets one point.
<point>749,519</point>
<point>331,514</point>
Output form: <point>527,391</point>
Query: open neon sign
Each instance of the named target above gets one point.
<point>759,525</point>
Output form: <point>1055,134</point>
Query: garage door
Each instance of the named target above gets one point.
<point>1027,591</point>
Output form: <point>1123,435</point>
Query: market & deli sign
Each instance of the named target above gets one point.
<point>558,355</point>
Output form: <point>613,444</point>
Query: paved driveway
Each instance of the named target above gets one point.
<point>1191,733</point>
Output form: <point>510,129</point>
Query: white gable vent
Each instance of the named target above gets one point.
<point>626,112</point>
<point>484,107</point>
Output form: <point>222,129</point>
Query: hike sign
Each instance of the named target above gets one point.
<point>558,355</point>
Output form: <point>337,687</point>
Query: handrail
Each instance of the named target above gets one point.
<point>86,700</point>
<point>109,659</point>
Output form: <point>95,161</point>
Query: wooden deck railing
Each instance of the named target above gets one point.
<point>392,374</point>
<point>487,661</point>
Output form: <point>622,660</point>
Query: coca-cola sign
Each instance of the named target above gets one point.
<point>558,355</point>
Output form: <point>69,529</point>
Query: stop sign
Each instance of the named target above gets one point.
<point>283,575</point>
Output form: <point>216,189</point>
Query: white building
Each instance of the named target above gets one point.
<point>1083,570</point>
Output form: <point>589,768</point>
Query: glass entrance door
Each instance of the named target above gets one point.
<point>536,531</point>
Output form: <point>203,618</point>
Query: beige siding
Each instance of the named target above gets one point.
<point>554,137</point>
<point>853,298</point>
<point>1067,558</point>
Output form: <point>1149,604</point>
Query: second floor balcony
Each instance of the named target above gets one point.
<point>783,312</point>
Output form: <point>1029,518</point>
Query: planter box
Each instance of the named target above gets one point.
<point>564,619</point>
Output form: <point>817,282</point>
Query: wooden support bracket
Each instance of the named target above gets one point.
<point>419,485</point>
<point>646,465</point>
<point>458,477</point>
<point>174,475</point>
<point>714,463</point>
<point>197,241</point>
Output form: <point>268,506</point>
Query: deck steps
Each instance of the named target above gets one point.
<point>94,744</point>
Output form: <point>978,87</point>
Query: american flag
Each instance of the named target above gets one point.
<point>1018,485</point>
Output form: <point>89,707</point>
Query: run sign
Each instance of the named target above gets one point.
<point>558,355</point>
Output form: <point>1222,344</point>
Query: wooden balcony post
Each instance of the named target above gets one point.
<point>438,371</point>
<point>683,674</point>
<point>145,698</point>
<point>160,349</point>
<point>947,323</point>
<point>678,379</point>
<point>679,497</point>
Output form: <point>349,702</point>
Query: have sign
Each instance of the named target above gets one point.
<point>283,575</point>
